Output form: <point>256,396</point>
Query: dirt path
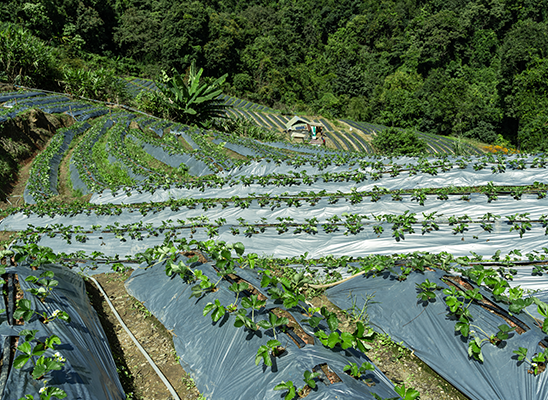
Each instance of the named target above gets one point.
<point>138,378</point>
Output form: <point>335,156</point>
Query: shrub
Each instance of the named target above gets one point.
<point>152,102</point>
<point>398,142</point>
<point>100,84</point>
<point>25,59</point>
<point>246,128</point>
<point>193,101</point>
<point>532,136</point>
<point>484,132</point>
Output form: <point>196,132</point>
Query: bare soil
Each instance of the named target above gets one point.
<point>138,378</point>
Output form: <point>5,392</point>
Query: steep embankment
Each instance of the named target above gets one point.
<point>21,138</point>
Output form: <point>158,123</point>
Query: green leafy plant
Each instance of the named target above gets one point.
<point>25,311</point>
<point>191,101</point>
<point>407,393</point>
<point>537,362</point>
<point>427,290</point>
<point>217,310</point>
<point>272,323</point>
<point>357,371</point>
<point>254,303</point>
<point>45,282</point>
<point>290,387</point>
<point>308,378</point>
<point>266,351</point>
<point>35,354</point>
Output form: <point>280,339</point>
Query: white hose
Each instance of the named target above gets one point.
<point>150,361</point>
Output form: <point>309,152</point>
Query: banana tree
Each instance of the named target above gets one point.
<point>192,102</point>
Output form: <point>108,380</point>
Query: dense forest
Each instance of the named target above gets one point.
<point>471,68</point>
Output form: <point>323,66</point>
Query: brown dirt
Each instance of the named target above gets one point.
<point>136,375</point>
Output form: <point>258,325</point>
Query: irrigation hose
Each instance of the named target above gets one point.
<point>335,283</point>
<point>143,351</point>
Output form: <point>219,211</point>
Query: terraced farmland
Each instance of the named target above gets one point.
<point>282,268</point>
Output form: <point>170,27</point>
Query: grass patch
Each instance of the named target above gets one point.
<point>113,174</point>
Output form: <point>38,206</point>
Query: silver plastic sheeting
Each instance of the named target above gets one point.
<point>89,372</point>
<point>221,357</point>
<point>195,167</point>
<point>454,177</point>
<point>426,330</point>
<point>475,208</point>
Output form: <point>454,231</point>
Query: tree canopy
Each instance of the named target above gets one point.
<point>472,68</point>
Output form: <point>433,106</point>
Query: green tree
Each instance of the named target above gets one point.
<point>192,101</point>
<point>396,141</point>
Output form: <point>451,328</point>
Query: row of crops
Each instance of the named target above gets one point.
<point>486,279</point>
<point>449,249</point>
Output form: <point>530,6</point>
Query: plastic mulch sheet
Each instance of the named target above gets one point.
<point>195,167</point>
<point>430,333</point>
<point>221,357</point>
<point>55,161</point>
<point>89,371</point>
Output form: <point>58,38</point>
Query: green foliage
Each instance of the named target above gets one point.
<point>264,352</point>
<point>290,387</point>
<point>192,101</point>
<point>393,141</point>
<point>97,84</point>
<point>25,59</point>
<point>243,127</point>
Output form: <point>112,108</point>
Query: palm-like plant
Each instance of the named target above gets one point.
<point>192,102</point>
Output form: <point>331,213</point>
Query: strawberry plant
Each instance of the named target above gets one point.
<point>24,311</point>
<point>474,346</point>
<point>419,196</point>
<point>272,323</point>
<point>537,362</point>
<point>265,352</point>
<point>406,393</point>
<point>217,310</point>
<point>520,223</point>
<point>309,379</point>
<point>41,364</point>
<point>289,387</point>
<point>355,371</point>
<point>426,290</point>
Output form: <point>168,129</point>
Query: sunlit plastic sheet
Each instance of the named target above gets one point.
<point>265,167</point>
<point>18,95</point>
<point>183,132</point>
<point>455,177</point>
<point>195,167</point>
<point>475,208</point>
<point>89,372</point>
<point>237,148</point>
<point>430,333</point>
<point>301,149</point>
<point>37,101</point>
<point>55,161</point>
<point>289,244</point>
<point>221,357</point>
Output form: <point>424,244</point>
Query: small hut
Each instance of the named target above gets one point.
<point>300,128</point>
